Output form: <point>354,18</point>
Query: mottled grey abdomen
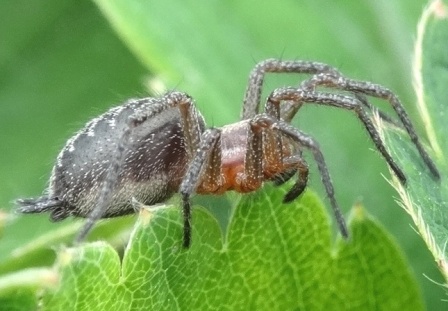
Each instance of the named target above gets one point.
<point>155,162</point>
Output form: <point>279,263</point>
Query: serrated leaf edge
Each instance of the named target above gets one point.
<point>414,210</point>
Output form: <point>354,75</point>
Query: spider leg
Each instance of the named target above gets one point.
<point>376,91</point>
<point>302,180</point>
<point>272,156</point>
<point>192,125</point>
<point>317,80</point>
<point>384,116</point>
<point>300,167</point>
<point>308,142</point>
<point>280,179</point>
<point>289,109</point>
<point>209,152</point>
<point>252,95</point>
<point>255,154</point>
<point>270,147</point>
<point>340,101</point>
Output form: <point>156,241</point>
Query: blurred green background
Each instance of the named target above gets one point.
<point>61,63</point>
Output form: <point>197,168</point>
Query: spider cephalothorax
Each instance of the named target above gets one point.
<point>150,148</point>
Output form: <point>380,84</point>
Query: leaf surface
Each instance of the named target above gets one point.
<point>275,257</point>
<point>425,198</point>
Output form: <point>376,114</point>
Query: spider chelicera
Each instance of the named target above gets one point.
<point>150,148</point>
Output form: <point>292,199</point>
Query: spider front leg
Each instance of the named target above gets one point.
<point>252,95</point>
<point>300,96</point>
<point>273,159</point>
<point>376,91</point>
<point>304,140</point>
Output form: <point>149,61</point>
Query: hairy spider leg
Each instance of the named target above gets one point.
<point>383,116</point>
<point>301,169</point>
<point>309,143</point>
<point>302,179</point>
<point>273,148</point>
<point>151,108</point>
<point>288,109</point>
<point>376,91</point>
<point>328,76</point>
<point>207,153</point>
<point>254,88</point>
<point>301,96</point>
<point>272,154</point>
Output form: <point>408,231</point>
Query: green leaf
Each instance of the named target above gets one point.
<point>274,257</point>
<point>425,198</point>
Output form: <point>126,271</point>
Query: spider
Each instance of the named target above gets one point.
<point>149,149</point>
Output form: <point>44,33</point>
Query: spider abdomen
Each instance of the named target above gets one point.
<point>155,161</point>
